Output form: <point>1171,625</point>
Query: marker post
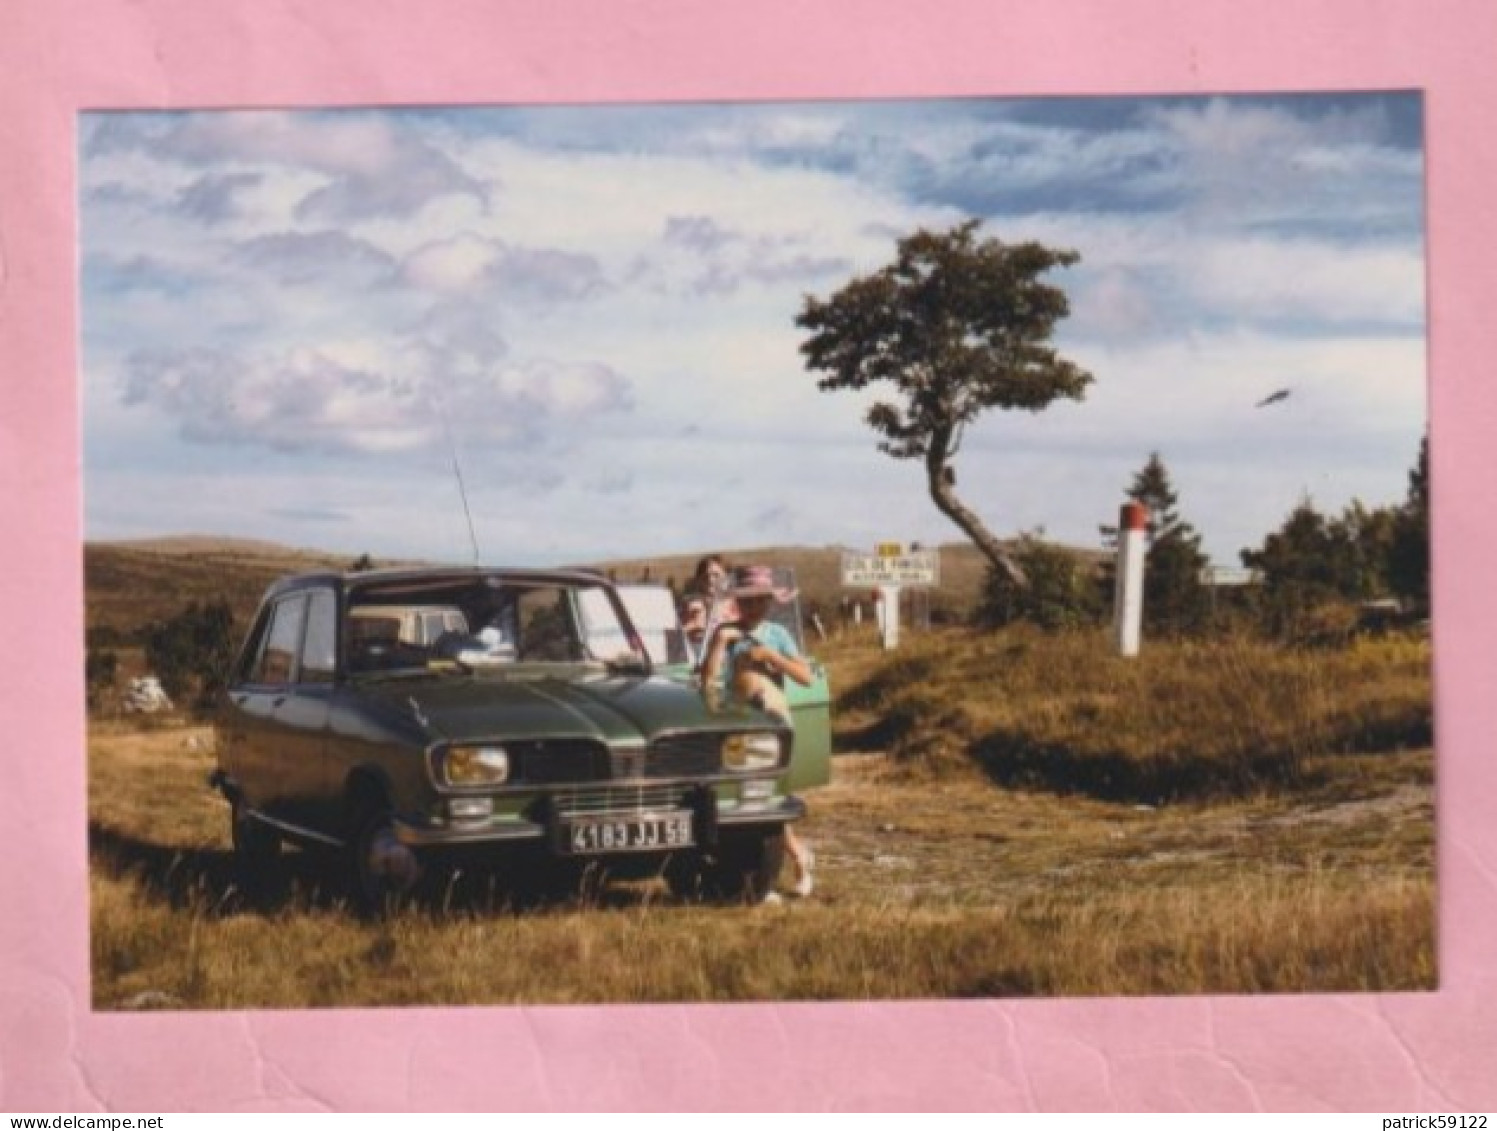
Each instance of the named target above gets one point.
<point>1128,596</point>
<point>888,617</point>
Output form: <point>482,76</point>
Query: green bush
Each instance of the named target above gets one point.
<point>100,670</point>
<point>191,652</point>
<point>1061,590</point>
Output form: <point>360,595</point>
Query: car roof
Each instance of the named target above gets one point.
<point>376,578</point>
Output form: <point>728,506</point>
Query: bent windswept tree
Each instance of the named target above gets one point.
<point>957,325</point>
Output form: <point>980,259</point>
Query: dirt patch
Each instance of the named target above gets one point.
<point>972,843</point>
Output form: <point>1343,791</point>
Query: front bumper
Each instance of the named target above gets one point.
<point>541,821</point>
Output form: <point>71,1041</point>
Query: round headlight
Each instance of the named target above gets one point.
<point>752,751</point>
<point>476,765</point>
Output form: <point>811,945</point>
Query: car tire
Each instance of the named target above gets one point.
<point>382,871</point>
<point>744,866</point>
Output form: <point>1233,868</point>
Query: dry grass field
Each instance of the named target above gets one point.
<point>1010,815</point>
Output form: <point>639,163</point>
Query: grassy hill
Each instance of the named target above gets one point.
<point>128,585</point>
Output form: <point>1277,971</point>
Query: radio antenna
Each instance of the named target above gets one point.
<point>457,471</point>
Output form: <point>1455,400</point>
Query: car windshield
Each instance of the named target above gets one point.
<point>652,608</point>
<point>787,613</point>
<point>494,621</point>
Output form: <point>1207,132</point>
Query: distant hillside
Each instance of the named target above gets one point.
<point>130,584</point>
<point>216,545</point>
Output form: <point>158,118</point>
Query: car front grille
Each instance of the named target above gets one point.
<point>684,755</point>
<point>561,760</point>
<point>579,800</point>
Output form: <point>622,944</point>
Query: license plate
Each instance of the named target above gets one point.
<point>626,834</point>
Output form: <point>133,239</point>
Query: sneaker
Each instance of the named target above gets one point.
<point>771,898</point>
<point>805,883</point>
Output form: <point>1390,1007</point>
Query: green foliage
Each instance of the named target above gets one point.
<point>191,652</point>
<point>1306,564</point>
<point>103,636</point>
<point>1314,563</point>
<point>1408,553</point>
<point>1176,600</point>
<point>956,325</point>
<point>100,668</point>
<point>1061,591</point>
<point>1153,488</point>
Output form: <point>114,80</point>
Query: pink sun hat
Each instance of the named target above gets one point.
<point>758,581</point>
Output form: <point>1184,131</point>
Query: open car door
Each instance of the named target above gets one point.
<point>653,610</point>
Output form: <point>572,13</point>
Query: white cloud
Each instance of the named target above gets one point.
<point>213,198</point>
<point>326,258</point>
<point>451,266</point>
<point>1312,280</point>
<point>1155,273</point>
<point>1254,162</point>
<point>310,401</point>
<point>613,205</point>
<point>366,165</point>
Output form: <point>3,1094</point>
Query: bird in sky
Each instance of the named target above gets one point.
<point>1273,398</point>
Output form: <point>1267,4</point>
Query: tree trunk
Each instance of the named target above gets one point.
<point>940,478</point>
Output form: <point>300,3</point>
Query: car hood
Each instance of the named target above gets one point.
<point>611,709</point>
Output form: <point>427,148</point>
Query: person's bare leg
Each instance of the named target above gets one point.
<point>803,860</point>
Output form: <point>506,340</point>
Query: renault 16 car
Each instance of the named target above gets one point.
<point>401,716</point>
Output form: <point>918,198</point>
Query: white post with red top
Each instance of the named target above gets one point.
<point>1128,596</point>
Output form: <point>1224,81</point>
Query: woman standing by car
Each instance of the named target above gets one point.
<point>750,658</point>
<point>706,604</point>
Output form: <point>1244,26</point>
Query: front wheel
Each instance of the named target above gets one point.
<point>382,870</point>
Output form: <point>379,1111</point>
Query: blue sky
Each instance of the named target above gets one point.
<point>291,320</point>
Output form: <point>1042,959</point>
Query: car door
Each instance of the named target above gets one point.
<point>282,709</point>
<point>651,608</point>
<point>810,706</point>
<point>302,718</point>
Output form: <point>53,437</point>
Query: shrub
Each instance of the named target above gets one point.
<point>1061,590</point>
<point>191,652</point>
<point>100,669</point>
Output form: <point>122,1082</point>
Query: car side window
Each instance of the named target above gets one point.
<point>319,652</point>
<point>249,658</point>
<point>277,661</point>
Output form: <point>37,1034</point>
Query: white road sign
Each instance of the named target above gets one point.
<point>919,567</point>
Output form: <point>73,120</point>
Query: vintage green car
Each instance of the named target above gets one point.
<point>533,728</point>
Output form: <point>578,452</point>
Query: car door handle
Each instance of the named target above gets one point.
<point>278,700</point>
<point>239,700</point>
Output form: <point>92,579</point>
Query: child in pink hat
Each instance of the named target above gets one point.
<point>751,658</point>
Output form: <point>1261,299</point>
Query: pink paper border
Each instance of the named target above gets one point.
<point>1391,1053</point>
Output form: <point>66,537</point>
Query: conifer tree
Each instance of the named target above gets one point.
<point>1175,595</point>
